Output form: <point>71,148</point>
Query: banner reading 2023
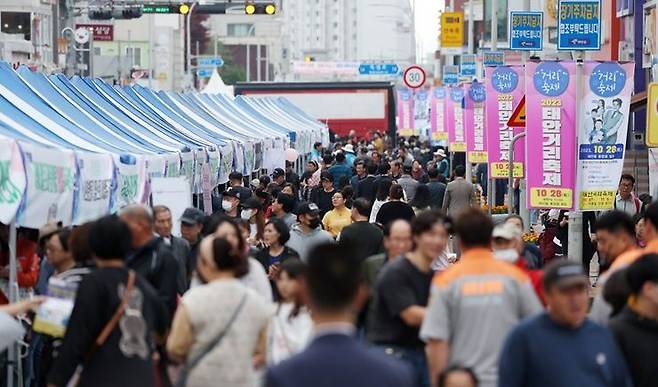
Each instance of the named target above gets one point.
<point>551,128</point>
<point>602,132</point>
<point>505,87</point>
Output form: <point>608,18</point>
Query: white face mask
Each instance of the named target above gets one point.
<point>246,214</point>
<point>227,205</point>
<point>507,255</point>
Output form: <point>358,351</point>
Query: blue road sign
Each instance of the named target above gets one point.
<point>526,31</point>
<point>378,69</point>
<point>468,67</point>
<point>579,25</point>
<point>450,75</point>
<point>204,73</point>
<point>211,62</point>
<point>493,58</point>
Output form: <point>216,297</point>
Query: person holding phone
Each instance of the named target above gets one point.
<point>275,252</point>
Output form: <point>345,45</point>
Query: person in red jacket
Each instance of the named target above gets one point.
<point>508,246</point>
<point>28,261</point>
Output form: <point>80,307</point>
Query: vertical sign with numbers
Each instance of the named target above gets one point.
<point>602,133</point>
<point>551,134</point>
<point>579,25</point>
<point>452,32</point>
<point>505,89</point>
<point>476,137</point>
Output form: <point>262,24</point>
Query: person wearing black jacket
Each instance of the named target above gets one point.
<point>275,236</point>
<point>636,327</point>
<point>151,258</point>
<point>322,195</point>
<point>366,186</point>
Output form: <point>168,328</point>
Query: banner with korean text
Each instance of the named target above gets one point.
<point>476,137</point>
<point>131,180</point>
<point>405,112</point>
<point>505,89</point>
<point>421,112</point>
<point>96,186</point>
<point>51,178</point>
<point>551,134</point>
<point>454,120</point>
<point>602,132</point>
<point>12,179</point>
<point>437,112</point>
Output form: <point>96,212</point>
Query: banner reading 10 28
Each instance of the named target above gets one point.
<point>602,132</point>
<point>551,134</point>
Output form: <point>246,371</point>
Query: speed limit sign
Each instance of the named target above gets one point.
<point>414,77</point>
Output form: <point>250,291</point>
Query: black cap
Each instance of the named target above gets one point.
<point>278,172</point>
<point>192,216</point>
<point>307,208</point>
<point>252,202</point>
<point>327,176</point>
<point>564,274</point>
<point>232,192</point>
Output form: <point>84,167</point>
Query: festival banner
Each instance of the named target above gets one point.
<point>421,112</point>
<point>173,165</point>
<point>249,158</point>
<point>602,132</point>
<point>12,179</point>
<point>476,137</point>
<point>226,163</point>
<point>95,190</point>
<point>505,89</point>
<point>551,128</point>
<point>50,186</point>
<point>437,112</point>
<point>131,180</point>
<point>187,166</point>
<point>455,120</point>
<point>156,165</point>
<point>405,112</point>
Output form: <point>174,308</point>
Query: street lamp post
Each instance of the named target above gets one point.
<point>188,45</point>
<point>250,32</point>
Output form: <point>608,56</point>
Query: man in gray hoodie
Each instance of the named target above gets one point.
<point>307,232</point>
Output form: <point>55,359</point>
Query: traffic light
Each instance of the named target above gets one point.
<point>128,12</point>
<point>251,8</point>
<point>309,58</point>
<point>100,14</point>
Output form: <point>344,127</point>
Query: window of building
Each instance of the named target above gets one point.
<point>134,56</point>
<point>240,29</point>
<point>16,23</point>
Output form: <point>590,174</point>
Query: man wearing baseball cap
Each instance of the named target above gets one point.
<point>231,202</point>
<point>561,347</point>
<point>279,177</point>
<point>191,225</point>
<point>307,232</point>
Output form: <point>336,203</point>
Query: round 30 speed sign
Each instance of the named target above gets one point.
<point>414,77</point>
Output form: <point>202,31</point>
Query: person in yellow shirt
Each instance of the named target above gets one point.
<point>339,217</point>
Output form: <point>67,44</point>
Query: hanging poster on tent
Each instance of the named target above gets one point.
<point>437,113</point>
<point>455,120</point>
<point>226,163</point>
<point>551,123</point>
<point>602,132</point>
<point>200,159</point>
<point>131,180</point>
<point>421,112</point>
<point>156,165</point>
<point>187,166</point>
<point>213,164</point>
<point>249,158</point>
<point>505,88</point>
<point>50,186</point>
<point>12,179</point>
<point>405,112</point>
<point>173,165</point>
<point>476,137</point>
<point>95,191</point>
<point>238,157</point>
<point>258,155</point>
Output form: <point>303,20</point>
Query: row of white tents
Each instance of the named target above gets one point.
<point>74,149</point>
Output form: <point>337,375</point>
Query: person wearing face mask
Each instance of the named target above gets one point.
<point>307,232</point>
<point>252,212</point>
<point>508,247</point>
<point>231,203</point>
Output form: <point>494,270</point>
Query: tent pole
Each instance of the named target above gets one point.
<point>12,353</point>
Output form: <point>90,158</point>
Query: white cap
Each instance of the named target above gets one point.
<point>440,152</point>
<point>507,231</point>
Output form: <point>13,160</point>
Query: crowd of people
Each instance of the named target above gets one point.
<point>376,266</point>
